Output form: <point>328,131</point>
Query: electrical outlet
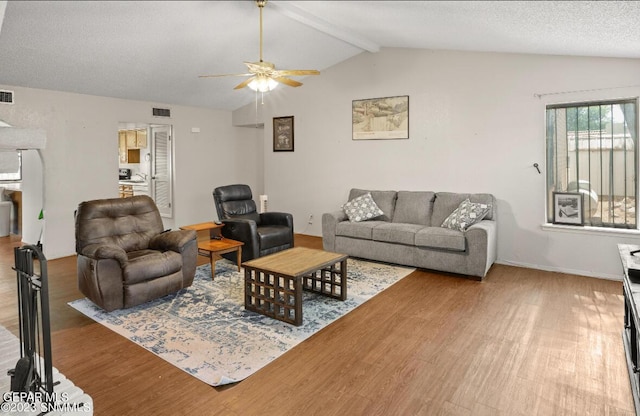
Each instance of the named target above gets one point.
<point>310,219</point>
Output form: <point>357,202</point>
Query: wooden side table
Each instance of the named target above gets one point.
<point>212,244</point>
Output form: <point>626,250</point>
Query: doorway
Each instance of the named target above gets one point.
<point>146,153</point>
<point>10,190</point>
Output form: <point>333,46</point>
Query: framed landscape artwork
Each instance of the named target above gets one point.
<point>568,208</point>
<point>380,118</point>
<point>283,134</point>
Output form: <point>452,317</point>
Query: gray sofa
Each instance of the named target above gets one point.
<point>410,233</point>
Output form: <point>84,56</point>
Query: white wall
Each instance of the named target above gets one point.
<point>475,126</point>
<point>31,188</point>
<point>81,156</point>
<point>249,159</point>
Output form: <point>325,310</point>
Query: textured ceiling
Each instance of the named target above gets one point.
<point>155,50</point>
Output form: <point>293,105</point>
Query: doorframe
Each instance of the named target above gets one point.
<point>150,143</point>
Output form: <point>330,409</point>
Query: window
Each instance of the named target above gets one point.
<point>10,165</point>
<point>592,148</point>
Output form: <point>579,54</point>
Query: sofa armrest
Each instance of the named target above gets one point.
<point>105,251</point>
<point>276,218</point>
<point>482,241</point>
<point>243,230</point>
<point>101,280</point>
<point>329,222</point>
<point>183,242</point>
<point>174,240</point>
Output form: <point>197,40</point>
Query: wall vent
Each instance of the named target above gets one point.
<point>6,97</point>
<point>161,112</point>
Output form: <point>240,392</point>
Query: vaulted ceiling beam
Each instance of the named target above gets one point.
<point>306,18</point>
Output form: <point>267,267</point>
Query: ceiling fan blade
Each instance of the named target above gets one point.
<point>244,83</point>
<point>252,67</point>
<point>287,81</point>
<point>224,75</point>
<point>262,67</point>
<point>297,72</point>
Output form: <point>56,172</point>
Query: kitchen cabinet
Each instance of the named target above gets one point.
<point>141,138</point>
<point>125,191</point>
<point>129,144</point>
<point>133,155</point>
<point>122,147</point>
<point>133,188</point>
<point>136,139</point>
<point>132,141</point>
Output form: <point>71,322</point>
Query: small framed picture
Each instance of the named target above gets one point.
<point>568,208</point>
<point>283,134</point>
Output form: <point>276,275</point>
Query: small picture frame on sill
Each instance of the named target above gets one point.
<point>283,134</point>
<point>568,208</point>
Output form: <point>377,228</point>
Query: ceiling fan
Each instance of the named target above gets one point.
<point>263,75</point>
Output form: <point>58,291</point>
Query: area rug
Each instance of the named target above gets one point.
<point>205,330</point>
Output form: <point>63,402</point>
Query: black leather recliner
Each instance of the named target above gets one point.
<point>261,234</point>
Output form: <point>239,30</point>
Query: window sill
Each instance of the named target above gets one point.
<point>577,229</point>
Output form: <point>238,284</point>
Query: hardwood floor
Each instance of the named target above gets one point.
<point>523,342</point>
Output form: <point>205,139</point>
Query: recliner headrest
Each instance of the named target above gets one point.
<point>126,222</point>
<point>233,193</point>
<point>235,201</point>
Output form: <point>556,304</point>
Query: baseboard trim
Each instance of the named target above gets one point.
<point>613,277</point>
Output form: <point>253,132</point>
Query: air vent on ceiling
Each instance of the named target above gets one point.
<point>6,97</point>
<point>161,112</point>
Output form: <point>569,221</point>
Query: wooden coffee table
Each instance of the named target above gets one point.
<point>212,245</point>
<point>273,284</point>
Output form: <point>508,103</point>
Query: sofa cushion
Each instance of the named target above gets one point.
<point>446,202</point>
<point>400,233</point>
<point>438,237</point>
<point>467,214</point>
<point>273,236</point>
<point>386,201</point>
<point>414,207</point>
<point>362,208</point>
<point>146,265</point>
<point>361,230</point>
<point>485,199</point>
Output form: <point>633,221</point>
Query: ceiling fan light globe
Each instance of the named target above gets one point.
<point>263,84</point>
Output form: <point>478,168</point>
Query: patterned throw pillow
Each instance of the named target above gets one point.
<point>467,214</point>
<point>362,208</point>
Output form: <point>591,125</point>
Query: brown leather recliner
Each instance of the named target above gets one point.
<point>124,256</point>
